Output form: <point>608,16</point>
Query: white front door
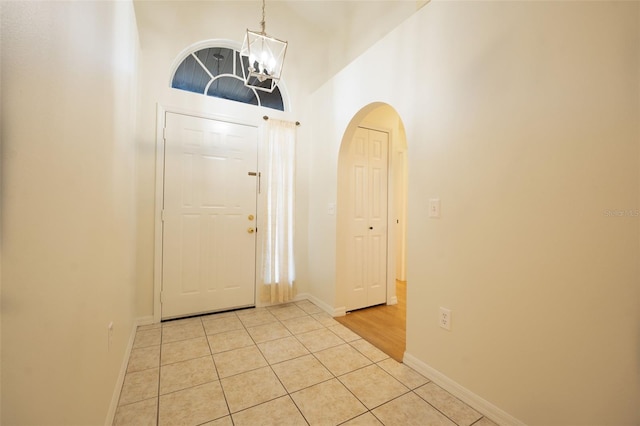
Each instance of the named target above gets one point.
<point>209,216</point>
<point>367,247</point>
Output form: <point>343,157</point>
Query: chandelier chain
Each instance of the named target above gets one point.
<point>263,23</point>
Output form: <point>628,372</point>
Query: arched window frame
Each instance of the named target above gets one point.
<point>227,44</point>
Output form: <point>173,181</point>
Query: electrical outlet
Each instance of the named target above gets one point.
<point>109,335</point>
<point>445,318</point>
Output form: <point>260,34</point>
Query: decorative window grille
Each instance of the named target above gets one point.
<point>217,71</point>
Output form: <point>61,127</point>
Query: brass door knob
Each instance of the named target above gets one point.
<point>250,217</point>
<point>250,230</point>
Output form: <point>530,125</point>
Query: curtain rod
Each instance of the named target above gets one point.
<point>266,117</point>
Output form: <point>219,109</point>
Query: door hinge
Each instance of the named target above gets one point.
<point>162,215</point>
<point>161,297</point>
<point>164,133</point>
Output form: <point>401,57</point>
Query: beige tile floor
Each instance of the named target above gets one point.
<point>285,365</point>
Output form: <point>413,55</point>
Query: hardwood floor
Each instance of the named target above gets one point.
<point>384,326</point>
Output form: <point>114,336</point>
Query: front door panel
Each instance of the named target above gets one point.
<point>209,215</point>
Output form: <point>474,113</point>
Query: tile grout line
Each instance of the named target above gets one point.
<point>200,384</point>
<point>289,394</point>
<point>215,367</point>
<point>368,410</point>
<point>224,394</point>
<point>434,407</point>
<point>255,344</point>
<point>334,376</point>
<point>270,365</point>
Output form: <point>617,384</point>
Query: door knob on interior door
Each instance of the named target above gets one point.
<point>250,230</point>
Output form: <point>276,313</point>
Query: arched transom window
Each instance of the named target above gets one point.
<point>216,71</point>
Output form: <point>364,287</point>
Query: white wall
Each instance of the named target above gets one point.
<point>166,30</point>
<point>68,218</point>
<point>523,119</point>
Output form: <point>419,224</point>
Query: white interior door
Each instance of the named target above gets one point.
<point>367,247</point>
<point>209,216</point>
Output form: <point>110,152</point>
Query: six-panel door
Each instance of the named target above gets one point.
<point>209,216</point>
<point>367,247</point>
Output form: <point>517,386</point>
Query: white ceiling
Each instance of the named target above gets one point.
<point>339,16</point>
<point>349,26</point>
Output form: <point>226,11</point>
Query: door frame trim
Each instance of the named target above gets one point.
<point>161,111</point>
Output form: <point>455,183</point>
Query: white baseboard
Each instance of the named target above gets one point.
<point>111,414</point>
<point>334,312</point>
<point>148,320</point>
<point>338,312</point>
<point>302,296</point>
<point>478,403</point>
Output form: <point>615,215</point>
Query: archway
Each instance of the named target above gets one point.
<point>379,117</point>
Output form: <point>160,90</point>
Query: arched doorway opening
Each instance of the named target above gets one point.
<point>371,222</point>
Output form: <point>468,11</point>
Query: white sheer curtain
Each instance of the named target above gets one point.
<point>279,178</point>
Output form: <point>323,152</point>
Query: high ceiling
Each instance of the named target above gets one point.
<point>349,26</point>
<point>324,35</point>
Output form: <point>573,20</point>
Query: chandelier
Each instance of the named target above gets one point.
<point>262,58</point>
